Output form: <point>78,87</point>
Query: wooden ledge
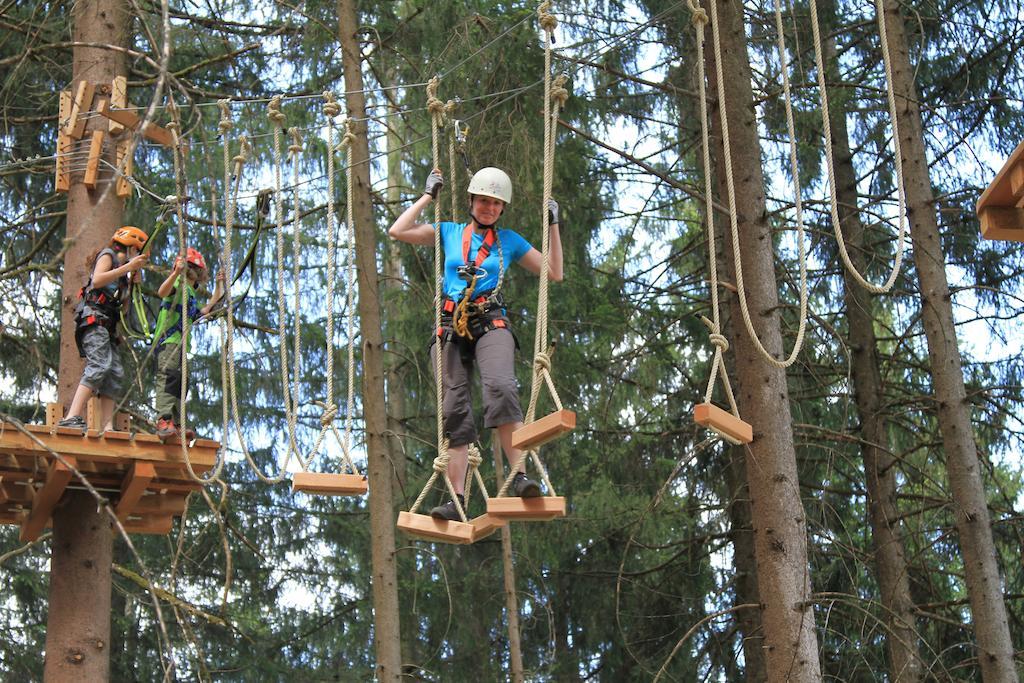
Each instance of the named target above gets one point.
<point>546,429</point>
<point>430,529</point>
<point>725,424</point>
<point>999,205</point>
<point>485,525</point>
<point>328,484</point>
<point>45,500</point>
<point>540,509</point>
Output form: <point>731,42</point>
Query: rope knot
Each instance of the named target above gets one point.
<point>474,458</point>
<point>434,105</point>
<point>296,146</point>
<point>699,19</point>
<point>331,106</point>
<point>720,341</point>
<point>327,417</point>
<point>441,463</point>
<point>350,135</point>
<point>225,116</point>
<point>548,21</point>
<point>559,93</point>
<point>542,361</point>
<point>244,150</point>
<point>274,112</point>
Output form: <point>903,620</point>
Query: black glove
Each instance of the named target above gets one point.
<point>434,184</point>
<point>552,211</point>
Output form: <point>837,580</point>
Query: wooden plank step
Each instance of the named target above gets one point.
<point>430,529</point>
<point>540,509</point>
<point>546,429</point>
<point>486,524</point>
<point>727,425</point>
<point>329,484</point>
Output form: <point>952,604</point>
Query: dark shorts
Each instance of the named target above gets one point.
<point>494,356</point>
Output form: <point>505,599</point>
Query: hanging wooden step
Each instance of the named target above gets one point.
<point>723,423</point>
<point>329,484</point>
<point>486,524</point>
<point>1001,206</point>
<point>431,529</point>
<point>548,428</point>
<point>539,509</point>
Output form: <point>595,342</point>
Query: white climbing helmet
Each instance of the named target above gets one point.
<point>492,182</point>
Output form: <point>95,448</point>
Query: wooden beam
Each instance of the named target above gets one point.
<point>539,509</point>
<point>149,525</point>
<point>329,484</point>
<point>1002,223</point>
<point>118,100</point>
<point>123,153</point>
<point>129,119</point>
<point>93,414</point>
<point>123,422</point>
<point>65,145</point>
<point>15,492</point>
<point>139,477</point>
<point>161,504</point>
<point>71,442</point>
<point>54,413</point>
<point>82,103</point>
<point>730,427</point>
<point>57,478</point>
<point>546,429</point>
<point>92,166</point>
<point>430,529</point>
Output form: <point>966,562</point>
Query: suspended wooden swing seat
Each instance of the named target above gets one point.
<point>1001,206</point>
<point>146,479</point>
<point>329,484</point>
<point>428,528</point>
<point>723,423</point>
<point>548,428</point>
<point>540,509</point>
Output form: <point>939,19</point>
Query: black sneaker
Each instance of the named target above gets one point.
<point>449,511</point>
<point>524,487</point>
<point>75,422</point>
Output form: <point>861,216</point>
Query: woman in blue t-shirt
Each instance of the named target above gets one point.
<point>474,326</point>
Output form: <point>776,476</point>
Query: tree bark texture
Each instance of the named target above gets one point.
<point>78,621</point>
<point>779,524</point>
<point>387,637</point>
<point>981,569</point>
<point>905,665</point>
<point>515,650</point>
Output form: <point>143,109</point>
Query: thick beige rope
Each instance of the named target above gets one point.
<point>440,467</point>
<point>826,123</point>
<point>555,96</point>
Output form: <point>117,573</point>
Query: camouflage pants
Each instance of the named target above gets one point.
<point>103,372</point>
<point>168,381</point>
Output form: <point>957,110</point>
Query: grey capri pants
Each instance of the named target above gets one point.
<point>494,355</point>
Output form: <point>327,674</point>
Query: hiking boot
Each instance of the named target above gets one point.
<point>524,487</point>
<point>165,428</point>
<point>449,511</point>
<point>75,422</point>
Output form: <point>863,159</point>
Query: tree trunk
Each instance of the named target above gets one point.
<point>78,622</point>
<point>905,665</point>
<point>515,652</point>
<point>387,638</point>
<point>984,588</point>
<point>780,533</point>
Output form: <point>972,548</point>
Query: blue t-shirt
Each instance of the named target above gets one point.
<point>513,248</point>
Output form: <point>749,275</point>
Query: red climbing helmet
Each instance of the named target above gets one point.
<point>194,258</point>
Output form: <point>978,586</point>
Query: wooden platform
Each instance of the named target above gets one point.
<point>724,423</point>
<point>146,479</point>
<point>485,525</point>
<point>329,484</point>
<point>429,529</point>
<point>540,509</point>
<point>1001,206</point>
<point>546,429</point>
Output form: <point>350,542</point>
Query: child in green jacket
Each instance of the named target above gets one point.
<point>167,336</point>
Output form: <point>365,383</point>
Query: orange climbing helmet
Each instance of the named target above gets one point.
<point>194,258</point>
<point>130,236</point>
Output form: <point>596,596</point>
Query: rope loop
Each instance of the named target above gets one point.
<point>244,151</point>
<point>327,417</point>
<point>720,341</point>
<point>296,146</point>
<point>274,112</point>
<point>473,456</point>
<point>349,137</point>
<point>548,21</point>
<point>226,124</point>
<point>331,106</point>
